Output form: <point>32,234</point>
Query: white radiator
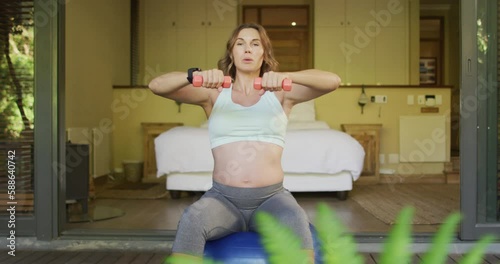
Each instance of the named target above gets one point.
<point>422,139</point>
<point>100,148</point>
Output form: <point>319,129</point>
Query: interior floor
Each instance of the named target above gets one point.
<point>164,213</point>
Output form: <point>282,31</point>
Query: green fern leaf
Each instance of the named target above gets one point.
<point>337,245</point>
<point>475,254</point>
<point>280,243</point>
<point>397,247</point>
<point>439,249</point>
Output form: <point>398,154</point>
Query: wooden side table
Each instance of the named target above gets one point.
<point>368,135</point>
<point>151,131</point>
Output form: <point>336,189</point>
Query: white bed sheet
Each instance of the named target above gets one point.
<point>307,151</point>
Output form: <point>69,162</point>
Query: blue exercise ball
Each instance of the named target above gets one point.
<point>246,248</point>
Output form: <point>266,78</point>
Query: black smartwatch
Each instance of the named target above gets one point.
<point>190,74</point>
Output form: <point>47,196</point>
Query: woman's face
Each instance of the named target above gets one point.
<point>248,52</point>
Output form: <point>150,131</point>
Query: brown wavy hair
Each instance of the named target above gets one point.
<point>269,63</point>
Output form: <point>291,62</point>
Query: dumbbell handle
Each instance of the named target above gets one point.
<point>198,81</point>
<point>257,84</point>
<point>286,84</point>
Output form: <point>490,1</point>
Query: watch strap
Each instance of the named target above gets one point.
<point>190,74</point>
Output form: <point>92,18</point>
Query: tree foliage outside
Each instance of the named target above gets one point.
<point>16,71</point>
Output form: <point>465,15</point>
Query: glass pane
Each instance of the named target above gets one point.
<point>488,117</point>
<point>16,107</point>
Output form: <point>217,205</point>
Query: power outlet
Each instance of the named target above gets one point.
<point>381,99</point>
<point>421,99</point>
<point>410,100</point>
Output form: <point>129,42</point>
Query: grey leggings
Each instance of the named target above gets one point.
<point>223,210</point>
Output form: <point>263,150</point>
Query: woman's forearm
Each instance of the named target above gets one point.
<point>316,79</point>
<point>168,83</point>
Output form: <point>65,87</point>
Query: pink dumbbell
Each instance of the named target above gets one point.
<point>198,81</point>
<point>286,85</point>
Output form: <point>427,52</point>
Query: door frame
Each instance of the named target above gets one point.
<point>43,223</point>
<point>475,129</point>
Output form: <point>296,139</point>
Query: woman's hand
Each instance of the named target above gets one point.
<point>273,81</point>
<point>212,79</point>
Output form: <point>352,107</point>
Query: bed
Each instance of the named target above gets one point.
<point>315,158</point>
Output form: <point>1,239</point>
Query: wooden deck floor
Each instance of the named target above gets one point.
<point>100,257</point>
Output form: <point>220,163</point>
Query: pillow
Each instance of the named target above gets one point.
<point>314,125</point>
<point>303,112</point>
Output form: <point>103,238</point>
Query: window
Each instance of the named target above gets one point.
<point>16,105</point>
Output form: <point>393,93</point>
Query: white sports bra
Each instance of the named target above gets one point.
<point>264,121</point>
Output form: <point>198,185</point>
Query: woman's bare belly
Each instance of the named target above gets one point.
<point>248,164</point>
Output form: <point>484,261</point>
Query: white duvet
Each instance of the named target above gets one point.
<point>187,149</point>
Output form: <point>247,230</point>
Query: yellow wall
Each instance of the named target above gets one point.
<point>97,49</point>
<point>335,108</point>
<point>341,107</point>
<point>98,57</point>
<point>134,106</point>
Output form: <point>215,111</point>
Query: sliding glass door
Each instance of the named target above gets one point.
<point>479,119</point>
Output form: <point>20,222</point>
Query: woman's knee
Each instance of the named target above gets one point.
<point>287,211</point>
<point>212,218</point>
